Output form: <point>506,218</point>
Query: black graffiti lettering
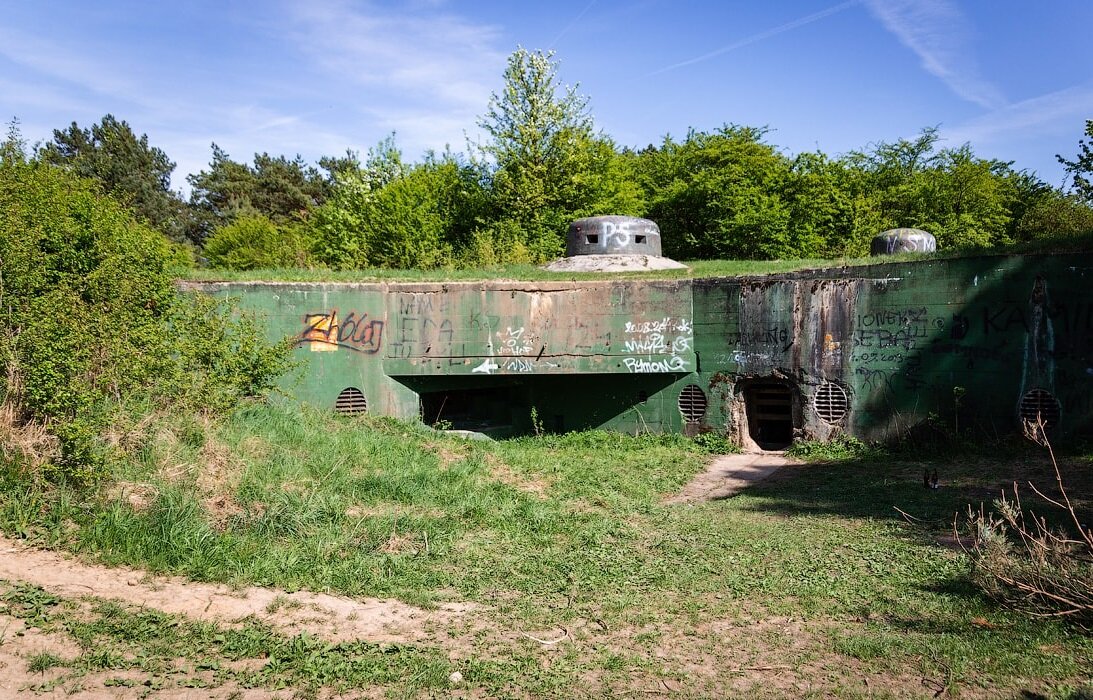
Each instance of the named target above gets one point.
<point>355,332</point>
<point>893,317</point>
<point>1076,319</point>
<point>873,379</point>
<point>881,338</point>
<point>407,329</point>
<point>415,304</point>
<point>1003,319</point>
<point>771,335</point>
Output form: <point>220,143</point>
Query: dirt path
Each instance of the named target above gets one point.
<point>334,618</point>
<point>728,475</point>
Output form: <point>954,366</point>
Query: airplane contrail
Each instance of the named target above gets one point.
<point>808,19</point>
<point>572,23</point>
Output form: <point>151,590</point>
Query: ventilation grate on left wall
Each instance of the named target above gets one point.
<point>692,403</point>
<point>351,402</point>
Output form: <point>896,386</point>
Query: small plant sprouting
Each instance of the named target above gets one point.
<point>958,397</point>
<point>40,663</point>
<point>536,422</point>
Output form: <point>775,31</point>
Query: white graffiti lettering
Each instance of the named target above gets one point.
<point>639,365</point>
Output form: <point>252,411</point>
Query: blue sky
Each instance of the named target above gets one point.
<point>1012,77</point>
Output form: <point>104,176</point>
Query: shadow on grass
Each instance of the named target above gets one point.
<point>878,488</point>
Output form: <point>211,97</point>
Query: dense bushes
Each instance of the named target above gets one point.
<point>254,242</point>
<point>92,322</point>
<point>727,194</point>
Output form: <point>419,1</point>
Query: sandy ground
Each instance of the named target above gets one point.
<point>335,618</point>
<point>728,475</point>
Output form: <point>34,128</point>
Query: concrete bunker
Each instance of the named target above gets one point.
<point>868,351</point>
<point>613,244</point>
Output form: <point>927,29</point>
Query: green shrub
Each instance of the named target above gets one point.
<point>92,320</point>
<point>838,449</point>
<point>716,443</point>
<point>254,242</point>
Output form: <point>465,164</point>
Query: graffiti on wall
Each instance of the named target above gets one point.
<point>668,339</point>
<point>325,331</point>
<point>513,353</point>
<point>774,334</point>
<point>623,233</point>
<point>889,346</point>
<point>891,328</point>
<point>423,327</point>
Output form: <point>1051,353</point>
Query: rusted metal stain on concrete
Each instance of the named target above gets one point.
<point>826,324</point>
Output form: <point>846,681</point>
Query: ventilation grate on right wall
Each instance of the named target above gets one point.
<point>831,402</point>
<point>1039,405</point>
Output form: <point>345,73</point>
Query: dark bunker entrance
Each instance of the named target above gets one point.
<point>769,409</point>
<point>505,406</point>
<point>487,410</point>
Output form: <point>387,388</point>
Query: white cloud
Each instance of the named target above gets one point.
<point>38,95</point>
<point>426,55</point>
<point>937,32</point>
<point>1060,111</point>
<point>425,74</point>
<point>57,61</point>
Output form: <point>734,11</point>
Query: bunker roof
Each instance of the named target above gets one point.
<point>699,269</point>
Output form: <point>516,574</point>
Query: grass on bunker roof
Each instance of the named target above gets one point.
<point>530,273</point>
<point>696,269</point>
<point>809,583</point>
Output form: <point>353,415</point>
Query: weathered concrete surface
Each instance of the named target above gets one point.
<point>728,475</point>
<point>873,351</point>
<point>613,263</point>
<point>607,235</point>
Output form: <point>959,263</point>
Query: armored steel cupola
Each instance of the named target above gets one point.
<point>613,235</point>
<point>903,240</point>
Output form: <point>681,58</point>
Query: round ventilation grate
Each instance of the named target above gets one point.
<point>351,402</point>
<point>692,403</point>
<point>830,402</point>
<point>1039,405</point>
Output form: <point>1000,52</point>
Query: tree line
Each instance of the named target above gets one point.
<point>726,193</point>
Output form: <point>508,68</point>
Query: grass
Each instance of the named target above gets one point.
<point>814,570</point>
<point>697,269</point>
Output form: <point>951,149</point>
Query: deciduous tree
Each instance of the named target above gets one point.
<point>719,195</point>
<point>549,165</point>
<point>1081,168</point>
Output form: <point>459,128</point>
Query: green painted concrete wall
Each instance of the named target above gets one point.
<point>899,338</point>
<point>893,339</point>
